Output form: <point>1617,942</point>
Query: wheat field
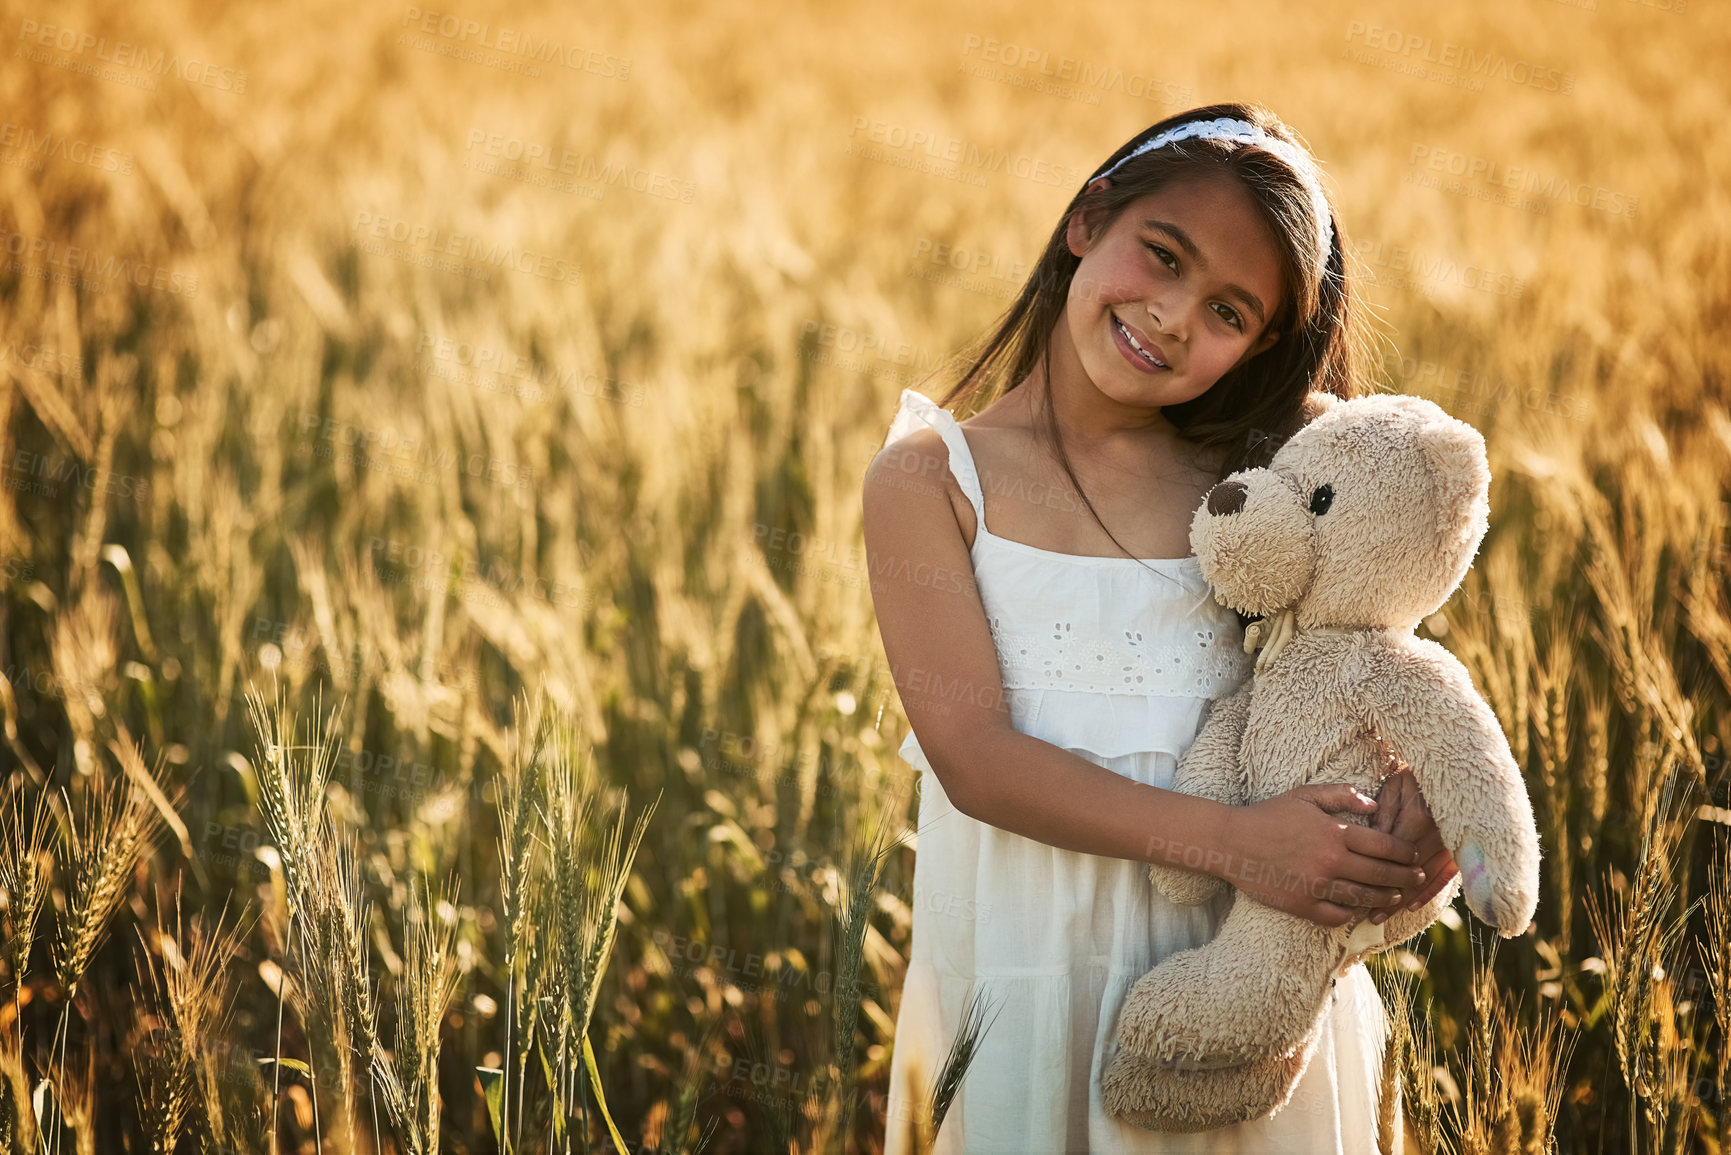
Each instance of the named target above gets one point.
<point>442,702</point>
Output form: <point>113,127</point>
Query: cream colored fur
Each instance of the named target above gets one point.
<point>1221,1034</point>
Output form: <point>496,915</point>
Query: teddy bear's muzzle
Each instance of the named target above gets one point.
<point>1227,497</point>
<point>1254,539</point>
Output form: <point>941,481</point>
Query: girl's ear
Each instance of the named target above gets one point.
<point>1076,233</point>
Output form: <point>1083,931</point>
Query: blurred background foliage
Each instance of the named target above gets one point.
<point>377,356</point>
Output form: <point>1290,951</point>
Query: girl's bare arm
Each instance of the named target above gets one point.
<point>1286,851</point>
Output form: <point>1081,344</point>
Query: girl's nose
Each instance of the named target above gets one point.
<point>1167,319</point>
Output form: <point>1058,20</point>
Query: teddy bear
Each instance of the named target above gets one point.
<point>1362,524</point>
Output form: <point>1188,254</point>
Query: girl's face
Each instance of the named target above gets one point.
<point>1191,273</point>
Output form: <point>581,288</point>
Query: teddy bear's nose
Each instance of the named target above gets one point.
<point>1227,497</point>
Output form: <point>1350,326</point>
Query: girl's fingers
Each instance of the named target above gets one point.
<point>1333,914</point>
<point>1417,828</point>
<point>1415,824</point>
<point>1442,880</point>
<point>1405,823</point>
<point>1380,844</point>
<point>1430,891</point>
<point>1340,796</point>
<point>1434,887</point>
<point>1404,820</point>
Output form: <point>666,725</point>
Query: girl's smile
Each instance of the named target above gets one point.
<point>1141,351</point>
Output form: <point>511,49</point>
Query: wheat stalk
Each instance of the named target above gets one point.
<point>72,1101</point>
<point>1513,1079</point>
<point>1596,768</point>
<point>683,1111</point>
<point>291,793</point>
<point>429,981</point>
<point>1717,959</point>
<point>1419,1081</point>
<point>165,1072</point>
<point>585,912</point>
<point>1396,1044</point>
<point>202,992</point>
<point>192,994</point>
<point>291,789</point>
<point>853,920</point>
<point>1636,946</point>
<point>566,821</point>
<point>1646,682</point>
<point>18,1122</point>
<point>538,951</point>
<point>26,859</point>
<point>25,856</point>
<point>118,826</point>
<point>119,823</point>
<point>1552,679</point>
<point>518,796</point>
<point>970,1032</point>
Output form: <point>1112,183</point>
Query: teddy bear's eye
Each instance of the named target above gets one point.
<point>1319,501</point>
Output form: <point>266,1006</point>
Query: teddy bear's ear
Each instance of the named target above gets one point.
<point>1315,405</point>
<point>1461,471</point>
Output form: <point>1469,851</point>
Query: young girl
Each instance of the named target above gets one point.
<point>1056,648</point>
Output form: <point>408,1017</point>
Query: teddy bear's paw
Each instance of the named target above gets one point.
<point>1477,883</point>
<point>1186,887</point>
<point>1492,900</point>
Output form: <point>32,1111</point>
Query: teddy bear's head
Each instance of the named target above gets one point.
<point>1368,516</point>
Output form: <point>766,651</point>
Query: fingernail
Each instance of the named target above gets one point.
<point>1377,918</point>
<point>1415,905</point>
<point>1421,874</point>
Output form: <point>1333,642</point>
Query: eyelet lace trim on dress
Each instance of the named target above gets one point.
<point>1195,664</point>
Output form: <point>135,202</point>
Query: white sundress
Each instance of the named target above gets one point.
<point>1103,658</point>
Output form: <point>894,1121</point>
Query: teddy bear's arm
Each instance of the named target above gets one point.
<point>1208,769</point>
<point>1421,699</point>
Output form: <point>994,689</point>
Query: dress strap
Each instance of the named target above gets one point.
<point>916,410</point>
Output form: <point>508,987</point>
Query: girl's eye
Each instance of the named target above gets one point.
<point>1230,316</point>
<point>1163,254</point>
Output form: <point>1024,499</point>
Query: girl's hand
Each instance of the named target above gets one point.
<point>1287,852</point>
<point>1401,811</point>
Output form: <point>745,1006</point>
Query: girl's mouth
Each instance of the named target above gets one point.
<point>1143,359</point>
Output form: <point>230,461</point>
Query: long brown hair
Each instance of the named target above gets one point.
<point>1253,407</point>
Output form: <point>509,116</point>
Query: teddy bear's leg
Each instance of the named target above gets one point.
<point>1157,1098</point>
<point>1251,993</point>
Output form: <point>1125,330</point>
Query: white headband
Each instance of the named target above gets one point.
<point>1243,132</point>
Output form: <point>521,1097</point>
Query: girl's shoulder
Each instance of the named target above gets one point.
<point>920,452</point>
<point>923,460</point>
